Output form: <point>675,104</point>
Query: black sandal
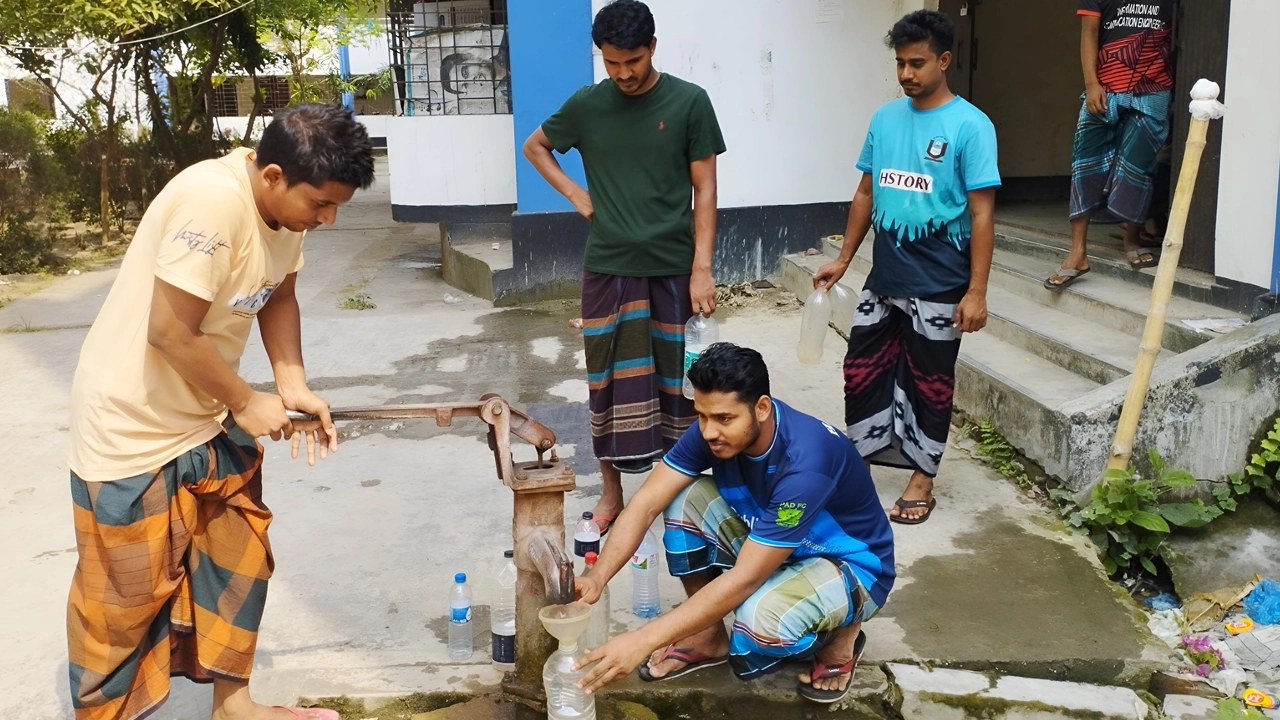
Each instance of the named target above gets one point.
<point>912,505</point>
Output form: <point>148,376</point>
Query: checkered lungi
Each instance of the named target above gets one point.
<point>790,614</point>
<point>1115,156</point>
<point>899,378</point>
<point>171,580</point>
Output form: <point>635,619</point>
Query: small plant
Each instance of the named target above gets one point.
<point>996,450</point>
<point>359,301</point>
<point>1233,709</point>
<point>1261,470</point>
<point>1128,520</point>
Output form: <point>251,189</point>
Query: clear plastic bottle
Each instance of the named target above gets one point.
<point>460,637</point>
<point>565,700</point>
<point>813,327</point>
<point>597,633</point>
<point>645,601</point>
<point>843,305</point>
<point>502,618</point>
<point>699,334</point>
<point>586,536</point>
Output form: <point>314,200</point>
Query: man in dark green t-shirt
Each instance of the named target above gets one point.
<point>649,143</point>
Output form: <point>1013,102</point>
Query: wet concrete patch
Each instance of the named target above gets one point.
<point>1018,602</point>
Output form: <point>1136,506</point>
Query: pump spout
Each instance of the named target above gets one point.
<point>556,567</point>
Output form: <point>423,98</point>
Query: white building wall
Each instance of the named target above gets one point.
<point>450,160</point>
<point>375,124</point>
<point>794,84</point>
<point>370,56</point>
<point>1250,170</point>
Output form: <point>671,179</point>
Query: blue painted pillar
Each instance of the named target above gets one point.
<point>1275,256</point>
<point>344,70</point>
<point>550,59</point>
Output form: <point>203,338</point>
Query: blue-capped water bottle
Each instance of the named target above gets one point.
<point>460,635</point>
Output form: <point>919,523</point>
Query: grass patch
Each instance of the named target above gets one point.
<point>359,301</point>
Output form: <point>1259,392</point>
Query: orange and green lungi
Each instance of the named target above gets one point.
<point>171,580</point>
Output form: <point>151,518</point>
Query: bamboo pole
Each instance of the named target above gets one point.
<point>1140,381</point>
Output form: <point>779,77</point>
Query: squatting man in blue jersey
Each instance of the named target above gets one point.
<point>928,190</point>
<point>787,534</point>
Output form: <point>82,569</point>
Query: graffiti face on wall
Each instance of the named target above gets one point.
<point>460,71</point>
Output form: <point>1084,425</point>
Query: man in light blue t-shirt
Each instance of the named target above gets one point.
<point>928,190</point>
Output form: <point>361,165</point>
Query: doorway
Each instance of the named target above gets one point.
<point>1019,62</point>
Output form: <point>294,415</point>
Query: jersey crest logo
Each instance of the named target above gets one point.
<point>789,514</point>
<point>937,149</point>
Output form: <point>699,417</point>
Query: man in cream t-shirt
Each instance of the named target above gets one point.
<point>165,466</point>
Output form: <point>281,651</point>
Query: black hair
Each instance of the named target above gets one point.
<point>315,143</point>
<point>624,24</point>
<point>725,367</point>
<point>929,25</point>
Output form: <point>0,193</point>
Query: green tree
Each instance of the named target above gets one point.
<point>29,180</point>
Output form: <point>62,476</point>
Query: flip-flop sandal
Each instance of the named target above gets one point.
<point>912,505</point>
<point>321,713</point>
<point>819,671</point>
<point>1136,264</point>
<point>608,523</point>
<point>694,662</point>
<point>1070,274</point>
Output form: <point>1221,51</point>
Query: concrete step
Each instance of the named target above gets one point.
<point>1106,301</point>
<point>476,257</point>
<point>993,366</point>
<point>944,693</point>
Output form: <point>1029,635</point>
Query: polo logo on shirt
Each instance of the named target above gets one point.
<point>914,182</point>
<point>662,125</point>
<point>789,514</point>
<point>937,149</point>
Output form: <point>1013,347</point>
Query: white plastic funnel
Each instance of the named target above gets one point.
<point>566,623</point>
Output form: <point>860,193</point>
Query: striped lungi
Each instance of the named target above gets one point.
<point>899,378</point>
<point>788,616</point>
<point>1115,156</point>
<point>633,332</point>
<point>171,580</point>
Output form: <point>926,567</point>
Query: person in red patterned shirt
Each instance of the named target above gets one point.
<point>1125,51</point>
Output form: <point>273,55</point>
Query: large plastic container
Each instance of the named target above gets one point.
<point>460,630</point>
<point>565,701</point>
<point>843,305</point>
<point>645,601</point>
<point>813,327</point>
<point>502,618</point>
<point>699,334</point>
<point>597,633</point>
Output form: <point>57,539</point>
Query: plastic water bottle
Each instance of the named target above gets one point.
<point>597,633</point>
<point>813,327</point>
<point>586,536</point>
<point>565,701</point>
<point>699,334</point>
<point>843,305</point>
<point>502,618</point>
<point>460,637</point>
<point>645,602</point>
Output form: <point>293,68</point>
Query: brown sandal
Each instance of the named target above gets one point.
<point>912,505</point>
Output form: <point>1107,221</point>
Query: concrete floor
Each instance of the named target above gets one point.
<point>366,542</point>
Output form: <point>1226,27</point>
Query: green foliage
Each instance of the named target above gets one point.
<point>1233,709</point>
<point>1261,472</point>
<point>359,301</point>
<point>1128,519</point>
<point>996,450</point>
<point>29,181</point>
